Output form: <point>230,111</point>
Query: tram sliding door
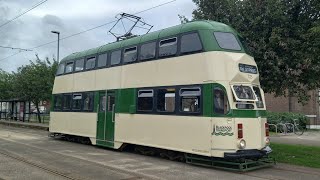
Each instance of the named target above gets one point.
<point>106,115</point>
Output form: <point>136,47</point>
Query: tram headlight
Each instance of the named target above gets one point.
<point>242,144</point>
<point>267,141</point>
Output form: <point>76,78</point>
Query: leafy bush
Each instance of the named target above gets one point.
<point>286,117</point>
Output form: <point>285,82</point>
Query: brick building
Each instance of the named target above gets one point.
<point>311,109</point>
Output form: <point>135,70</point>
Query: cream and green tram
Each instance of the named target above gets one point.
<point>191,88</point>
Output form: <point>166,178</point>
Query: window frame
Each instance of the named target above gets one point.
<point>70,108</point>
<point>177,36</point>
<point>84,65</point>
<point>129,47</point>
<point>232,50</point>
<point>97,59</point>
<point>64,69</point>
<point>195,86</point>
<point>86,60</point>
<point>156,41</point>
<point>65,66</point>
<point>110,55</point>
<point>84,95</point>
<point>193,52</point>
<point>77,110</point>
<point>155,102</point>
<point>54,102</point>
<point>222,88</point>
<point>152,111</point>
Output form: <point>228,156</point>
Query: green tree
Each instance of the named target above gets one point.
<point>6,85</point>
<point>283,36</point>
<point>34,82</point>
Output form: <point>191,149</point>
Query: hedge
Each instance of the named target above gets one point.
<point>286,117</point>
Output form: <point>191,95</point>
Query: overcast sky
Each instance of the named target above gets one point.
<point>73,16</point>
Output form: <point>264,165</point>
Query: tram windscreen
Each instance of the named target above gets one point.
<point>244,92</point>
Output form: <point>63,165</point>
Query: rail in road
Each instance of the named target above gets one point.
<point>23,145</point>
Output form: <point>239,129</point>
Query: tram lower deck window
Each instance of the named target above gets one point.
<point>145,100</point>
<point>166,100</point>
<point>190,99</point>
<point>66,102</point>
<point>57,102</point>
<point>88,101</point>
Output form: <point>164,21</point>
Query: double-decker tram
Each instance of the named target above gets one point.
<point>191,89</point>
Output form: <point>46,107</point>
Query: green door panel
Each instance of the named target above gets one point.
<point>106,115</point>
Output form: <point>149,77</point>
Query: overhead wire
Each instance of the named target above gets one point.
<point>16,17</point>
<point>90,29</point>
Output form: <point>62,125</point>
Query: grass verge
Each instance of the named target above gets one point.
<point>296,154</point>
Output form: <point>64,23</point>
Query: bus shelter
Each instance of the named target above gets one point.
<point>14,109</point>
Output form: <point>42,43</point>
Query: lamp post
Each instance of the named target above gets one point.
<point>57,32</point>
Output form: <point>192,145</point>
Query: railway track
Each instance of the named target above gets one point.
<point>140,176</point>
<point>48,170</point>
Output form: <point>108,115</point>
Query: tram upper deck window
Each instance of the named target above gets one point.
<point>168,47</point>
<point>130,54</point>
<point>91,63</point>
<point>190,43</point>
<point>79,65</point>
<point>227,40</point>
<point>148,51</point>
<point>102,60</point>
<point>257,91</point>
<point>69,67</point>
<point>190,99</point>
<point>115,58</point>
<point>145,100</point>
<point>221,105</point>
<point>61,69</point>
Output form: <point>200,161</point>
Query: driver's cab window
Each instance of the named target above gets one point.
<point>220,100</point>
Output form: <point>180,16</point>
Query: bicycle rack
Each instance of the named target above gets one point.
<point>275,127</point>
<point>292,125</point>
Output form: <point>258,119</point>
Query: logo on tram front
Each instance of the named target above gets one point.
<point>222,130</point>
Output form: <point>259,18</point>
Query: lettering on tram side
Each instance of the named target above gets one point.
<point>222,130</point>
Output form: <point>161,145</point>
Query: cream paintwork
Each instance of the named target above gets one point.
<point>181,133</point>
<point>75,123</point>
<point>191,69</point>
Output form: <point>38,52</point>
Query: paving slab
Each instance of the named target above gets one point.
<point>40,126</point>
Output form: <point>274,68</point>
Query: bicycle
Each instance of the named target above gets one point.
<point>298,129</point>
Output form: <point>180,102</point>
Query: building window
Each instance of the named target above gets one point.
<point>79,65</point>
<point>168,47</point>
<point>102,60</point>
<point>190,99</point>
<point>66,101</point>
<point>227,40</point>
<point>57,102</point>
<point>88,101</point>
<point>220,100</point>
<point>148,51</point>
<point>91,63</point>
<point>69,67</point>
<point>60,69</point>
<point>77,101</point>
<point>166,100</point>
<point>145,100</point>
<point>130,54</point>
<point>115,57</point>
<point>190,43</point>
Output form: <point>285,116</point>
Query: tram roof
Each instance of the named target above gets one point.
<point>171,31</point>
